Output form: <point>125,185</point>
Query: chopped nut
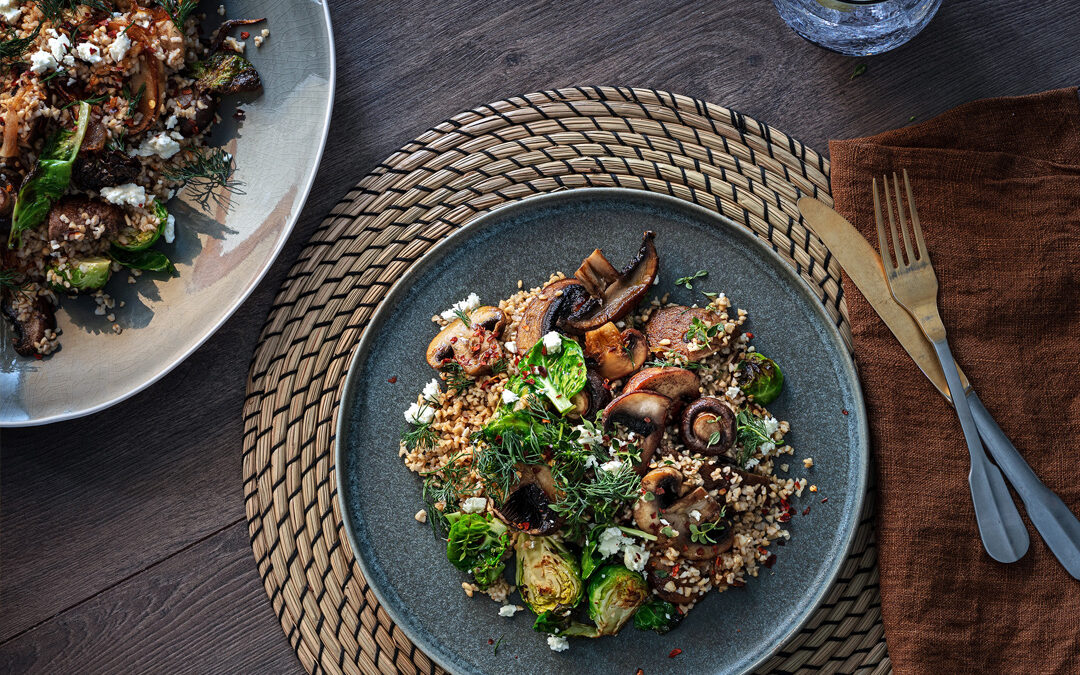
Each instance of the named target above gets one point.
<point>808,462</point>
<point>421,516</point>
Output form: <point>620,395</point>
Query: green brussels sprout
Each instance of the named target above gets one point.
<point>477,544</point>
<point>87,274</point>
<point>615,593</point>
<point>548,576</point>
<point>761,378</point>
<point>554,622</point>
<point>144,239</point>
<point>658,615</point>
<point>226,73</point>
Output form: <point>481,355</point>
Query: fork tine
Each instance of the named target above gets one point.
<point>883,244</point>
<point>920,240</point>
<point>897,251</point>
<point>903,220</point>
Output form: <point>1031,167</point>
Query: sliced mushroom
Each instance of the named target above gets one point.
<point>669,584</point>
<point>717,473</point>
<point>616,354</point>
<point>668,327</point>
<point>30,318</point>
<point>662,512</point>
<point>678,384</point>
<point>593,398</point>
<point>473,346</point>
<point>708,426</point>
<point>528,508</point>
<point>643,412</point>
<point>548,311</point>
<point>614,297</point>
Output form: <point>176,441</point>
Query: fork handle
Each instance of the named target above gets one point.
<point>1059,527</point>
<point>1003,533</point>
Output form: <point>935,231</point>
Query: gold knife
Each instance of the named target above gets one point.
<point>863,265</point>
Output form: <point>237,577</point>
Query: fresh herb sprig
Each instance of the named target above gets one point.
<point>178,10</point>
<point>597,501</point>
<point>685,282</point>
<point>672,359</point>
<point>464,318</point>
<point>207,174</point>
<point>446,486</point>
<point>456,379</point>
<point>419,436</point>
<point>54,10</point>
<point>705,534</point>
<point>12,49</point>
<point>133,99</point>
<point>12,280</point>
<point>702,332</point>
<point>751,434</point>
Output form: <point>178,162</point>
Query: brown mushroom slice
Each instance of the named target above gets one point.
<point>619,296</point>
<point>474,347</point>
<point>668,583</point>
<point>30,317</point>
<point>667,328</point>
<point>717,473</point>
<point>643,412</point>
<point>708,426</point>
<point>659,488</point>
<point>528,508</point>
<point>546,311</point>
<point>593,398</point>
<point>616,354</point>
<point>678,384</point>
<point>83,219</point>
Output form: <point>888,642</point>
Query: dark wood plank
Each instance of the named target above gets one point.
<point>88,505</point>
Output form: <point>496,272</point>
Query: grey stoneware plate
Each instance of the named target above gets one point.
<point>220,255</point>
<point>406,565</point>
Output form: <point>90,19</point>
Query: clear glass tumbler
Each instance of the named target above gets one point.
<point>857,27</point>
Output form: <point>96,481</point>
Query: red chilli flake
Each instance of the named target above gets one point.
<point>244,34</point>
<point>750,336</point>
<point>392,380</point>
<point>844,411</point>
<point>674,653</point>
<point>806,510</point>
<point>824,499</point>
<point>490,641</point>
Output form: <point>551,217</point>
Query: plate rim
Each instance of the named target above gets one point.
<point>241,297</point>
<point>401,287</point>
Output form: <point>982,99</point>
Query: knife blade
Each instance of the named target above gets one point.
<point>863,266</point>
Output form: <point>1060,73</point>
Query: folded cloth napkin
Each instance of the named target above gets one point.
<point>997,185</point>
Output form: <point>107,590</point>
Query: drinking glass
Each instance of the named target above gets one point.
<point>857,27</point>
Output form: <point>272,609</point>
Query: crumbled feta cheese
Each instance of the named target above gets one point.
<point>474,505</point>
<point>656,280</point>
<point>10,10</point>
<point>221,10</point>
<point>171,122</point>
<point>590,461</point>
<point>557,643</point>
<point>510,347</point>
<point>510,610</point>
<point>552,342</point>
<point>766,448</point>
<point>128,193</point>
<point>41,62</point>
<point>467,305</point>
<point>751,463</point>
<point>808,462</point>
<point>635,557</point>
<point>589,435</point>
<point>119,47</point>
<point>160,144</point>
<point>771,425</point>
<point>89,52</point>
<point>733,392</point>
<point>418,414</point>
<point>58,45</point>
<point>432,390</point>
<point>611,540</point>
<point>613,465</point>
<point>509,397</point>
<point>696,515</point>
<point>169,233</point>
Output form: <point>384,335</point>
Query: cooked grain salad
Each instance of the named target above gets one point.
<point>105,110</point>
<point>617,447</point>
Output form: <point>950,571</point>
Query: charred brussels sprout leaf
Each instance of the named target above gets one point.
<point>615,593</point>
<point>559,623</point>
<point>144,239</point>
<point>761,378</point>
<point>150,261</point>
<point>226,73</point>
<point>548,576</point>
<point>658,615</point>
<point>477,544</point>
<point>80,275</point>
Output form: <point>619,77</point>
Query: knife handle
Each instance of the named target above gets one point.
<point>1058,526</point>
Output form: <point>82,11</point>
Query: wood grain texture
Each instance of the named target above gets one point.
<point>91,508</point>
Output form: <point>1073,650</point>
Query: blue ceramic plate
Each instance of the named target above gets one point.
<point>406,565</point>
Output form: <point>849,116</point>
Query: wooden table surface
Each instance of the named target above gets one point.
<point>124,542</point>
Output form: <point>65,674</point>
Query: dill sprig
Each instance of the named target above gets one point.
<point>456,379</point>
<point>179,10</point>
<point>420,436</point>
<point>446,486</point>
<point>12,279</point>
<point>751,433</point>
<point>204,173</point>
<point>464,318</point>
<point>598,500</point>
<point>133,99</point>
<point>12,49</point>
<point>672,359</point>
<point>54,10</point>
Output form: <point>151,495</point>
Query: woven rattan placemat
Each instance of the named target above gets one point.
<point>542,142</point>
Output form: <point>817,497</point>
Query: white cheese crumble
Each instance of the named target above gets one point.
<point>89,52</point>
<point>10,10</point>
<point>766,448</point>
<point>128,193</point>
<point>613,465</point>
<point>41,62</point>
<point>696,515</point>
<point>589,436</point>
<point>510,610</point>
<point>733,392</point>
<point>611,540</point>
<point>552,342</point>
<point>160,144</point>
<point>635,557</point>
<point>771,425</point>
<point>467,305</point>
<point>509,397</point>
<point>170,229</point>
<point>119,47</point>
<point>418,414</point>
<point>558,643</point>
<point>474,505</point>
<point>171,122</point>
<point>510,347</point>
<point>59,46</point>
<point>590,461</point>
<point>432,390</point>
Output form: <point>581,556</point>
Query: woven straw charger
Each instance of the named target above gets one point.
<point>478,160</point>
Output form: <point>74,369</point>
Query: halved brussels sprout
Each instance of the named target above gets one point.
<point>658,615</point>
<point>548,575</point>
<point>615,593</point>
<point>761,378</point>
<point>142,240</point>
<point>477,544</point>
<point>87,274</point>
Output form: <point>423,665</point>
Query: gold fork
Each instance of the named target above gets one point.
<point>915,286</point>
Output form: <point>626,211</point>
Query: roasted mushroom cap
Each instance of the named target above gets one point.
<point>643,412</point>
<point>708,419</point>
<point>662,512</point>
<point>616,354</point>
<point>593,398</point>
<point>548,311</point>
<point>84,219</point>
<point>474,347</point>
<point>528,508</point>
<point>678,384</point>
<point>667,331</point>
<point>614,295</point>
<point>30,318</point>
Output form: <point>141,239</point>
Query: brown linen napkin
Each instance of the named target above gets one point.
<point>997,185</point>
